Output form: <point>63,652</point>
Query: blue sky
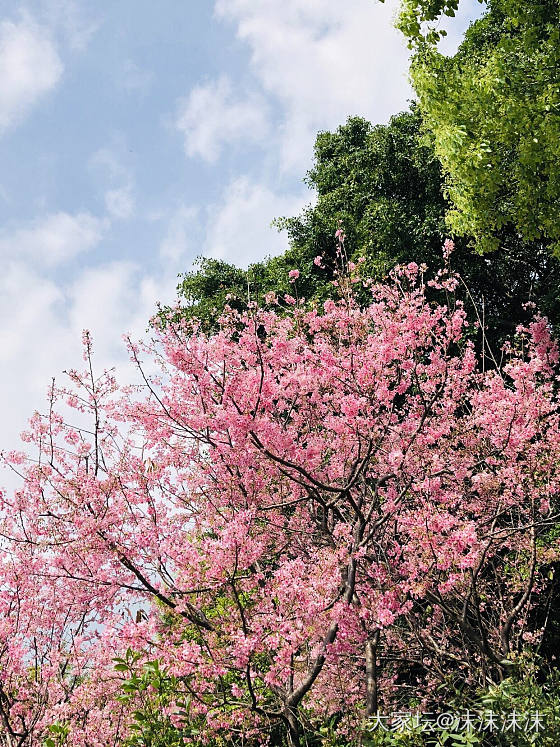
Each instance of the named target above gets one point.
<point>136,135</point>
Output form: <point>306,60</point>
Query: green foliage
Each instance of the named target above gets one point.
<point>530,690</point>
<point>214,284</point>
<point>520,711</point>
<point>153,695</point>
<point>58,734</point>
<point>494,111</point>
<point>207,290</point>
<point>152,692</point>
<point>384,184</point>
<point>473,719</point>
<point>416,19</point>
<point>381,183</point>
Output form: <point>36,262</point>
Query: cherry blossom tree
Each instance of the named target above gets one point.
<point>308,513</point>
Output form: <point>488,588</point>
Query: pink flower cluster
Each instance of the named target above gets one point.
<point>265,516</point>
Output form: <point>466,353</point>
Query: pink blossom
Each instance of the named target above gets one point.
<point>263,509</point>
<point>271,298</point>
<point>448,248</point>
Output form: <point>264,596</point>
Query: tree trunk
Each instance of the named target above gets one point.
<point>294,731</point>
<point>372,704</point>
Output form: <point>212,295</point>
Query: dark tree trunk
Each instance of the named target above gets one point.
<point>294,731</point>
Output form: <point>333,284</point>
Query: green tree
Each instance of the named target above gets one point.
<point>384,184</point>
<point>494,111</point>
<point>420,20</point>
<point>417,19</point>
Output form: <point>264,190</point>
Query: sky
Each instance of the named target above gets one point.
<point>137,135</point>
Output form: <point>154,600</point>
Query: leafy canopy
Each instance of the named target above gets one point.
<point>494,111</point>
<point>384,185</point>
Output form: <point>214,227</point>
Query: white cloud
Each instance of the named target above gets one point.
<point>53,239</point>
<point>322,61</point>
<point>106,163</point>
<point>18,338</point>
<point>41,328</point>
<point>134,78</point>
<point>71,20</point>
<point>116,180</point>
<point>34,347</point>
<point>215,116</point>
<point>120,202</point>
<point>112,300</point>
<point>178,238</point>
<point>29,68</point>
<point>239,229</point>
